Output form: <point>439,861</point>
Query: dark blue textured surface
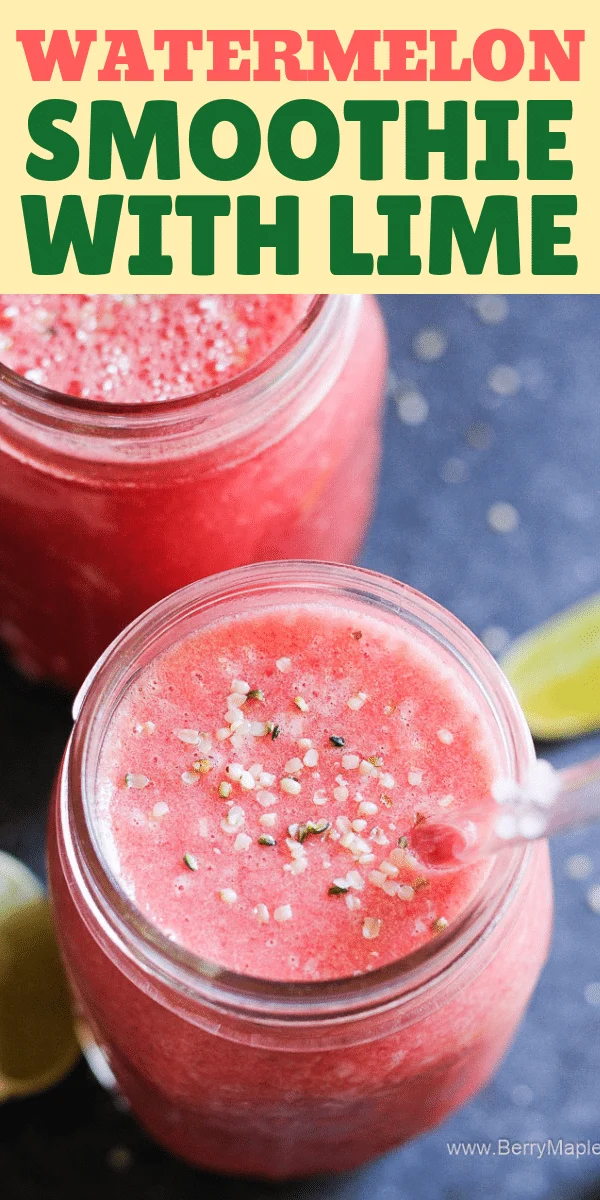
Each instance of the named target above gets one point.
<point>543,459</point>
<point>541,448</point>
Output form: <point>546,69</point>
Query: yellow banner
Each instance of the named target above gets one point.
<point>165,148</point>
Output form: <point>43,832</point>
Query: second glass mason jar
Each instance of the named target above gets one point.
<point>106,508</point>
<point>277,1079</point>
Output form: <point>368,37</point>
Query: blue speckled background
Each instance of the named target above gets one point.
<point>537,427</point>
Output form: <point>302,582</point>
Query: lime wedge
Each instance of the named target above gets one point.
<point>555,671</point>
<point>37,1038</point>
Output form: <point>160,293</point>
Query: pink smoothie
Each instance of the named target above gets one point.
<point>141,348</point>
<point>106,514</point>
<point>288,859</point>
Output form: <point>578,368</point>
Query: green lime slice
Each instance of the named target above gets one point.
<point>555,671</point>
<point>37,1037</point>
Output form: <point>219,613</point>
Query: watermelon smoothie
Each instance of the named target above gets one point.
<point>278,983</point>
<point>149,440</point>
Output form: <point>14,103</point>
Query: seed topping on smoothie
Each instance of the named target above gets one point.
<point>371,927</point>
<point>141,348</point>
<point>133,780</point>
<point>439,924</point>
<point>244,829</point>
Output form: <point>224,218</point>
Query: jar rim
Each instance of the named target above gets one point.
<point>272,1001</point>
<point>284,388</point>
<point>26,388</point>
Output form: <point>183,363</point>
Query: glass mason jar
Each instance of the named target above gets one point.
<point>106,508</point>
<point>273,1079</point>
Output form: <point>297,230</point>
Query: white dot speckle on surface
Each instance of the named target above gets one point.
<point>585,571</point>
<point>522,1095</point>
<point>480,436</point>
<point>591,993</point>
<point>534,377</point>
<point>119,1158</point>
<point>454,470</point>
<point>593,898</point>
<point>502,517</point>
<point>529,1181</point>
<point>495,638</point>
<point>412,408</point>
<point>491,309</point>
<point>430,344</point>
<point>504,381</point>
<point>579,507</point>
<point>579,866</point>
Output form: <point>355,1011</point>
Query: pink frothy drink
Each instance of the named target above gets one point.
<point>120,349</point>
<point>149,440</point>
<point>278,982</point>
